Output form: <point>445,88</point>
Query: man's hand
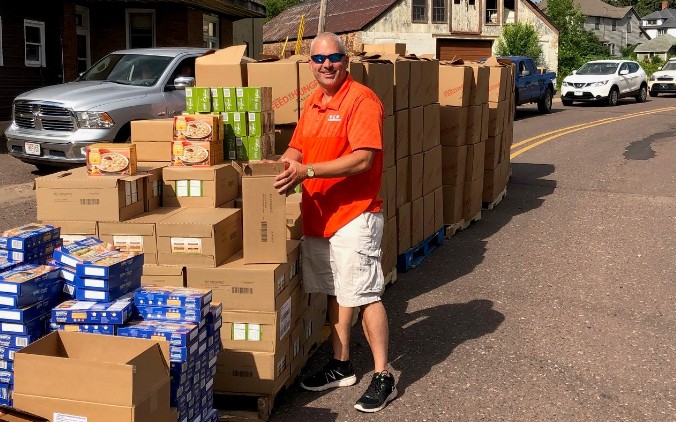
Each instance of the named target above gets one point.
<point>294,174</point>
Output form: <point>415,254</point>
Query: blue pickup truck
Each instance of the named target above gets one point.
<point>531,86</point>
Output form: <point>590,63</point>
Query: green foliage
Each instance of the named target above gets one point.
<point>520,39</point>
<point>652,65</point>
<point>576,45</point>
<point>275,7</point>
<point>628,51</point>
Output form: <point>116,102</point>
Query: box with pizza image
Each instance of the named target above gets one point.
<point>109,159</point>
<point>198,127</point>
<point>196,153</point>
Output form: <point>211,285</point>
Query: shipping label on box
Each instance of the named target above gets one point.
<point>28,236</point>
<point>88,312</point>
<point>197,99</point>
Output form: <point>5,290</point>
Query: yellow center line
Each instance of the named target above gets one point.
<point>571,129</point>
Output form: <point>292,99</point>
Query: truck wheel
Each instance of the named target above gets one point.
<point>566,102</point>
<point>123,135</point>
<point>545,103</point>
<point>613,97</point>
<point>642,94</point>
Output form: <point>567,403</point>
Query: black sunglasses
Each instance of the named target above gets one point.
<point>321,58</point>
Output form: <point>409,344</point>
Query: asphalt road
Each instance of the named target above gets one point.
<point>557,306</point>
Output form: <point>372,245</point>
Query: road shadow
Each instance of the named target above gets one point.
<point>532,113</point>
<point>422,337</point>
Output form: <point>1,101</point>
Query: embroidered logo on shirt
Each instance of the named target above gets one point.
<point>334,117</point>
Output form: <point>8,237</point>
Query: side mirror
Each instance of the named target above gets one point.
<point>574,72</point>
<point>525,73</point>
<point>184,81</point>
<point>624,72</point>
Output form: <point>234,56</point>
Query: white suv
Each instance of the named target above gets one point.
<point>664,80</point>
<point>605,80</point>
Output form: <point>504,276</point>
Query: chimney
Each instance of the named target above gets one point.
<point>665,4</point>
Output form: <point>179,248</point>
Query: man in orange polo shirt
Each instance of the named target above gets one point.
<point>336,153</point>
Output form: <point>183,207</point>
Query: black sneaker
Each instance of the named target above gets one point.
<point>335,374</point>
<point>381,391</point>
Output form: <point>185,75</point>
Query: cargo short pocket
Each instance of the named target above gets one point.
<point>367,273</point>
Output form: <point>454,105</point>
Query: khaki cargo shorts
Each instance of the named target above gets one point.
<point>347,265</point>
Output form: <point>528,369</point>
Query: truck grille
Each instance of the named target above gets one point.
<point>42,116</point>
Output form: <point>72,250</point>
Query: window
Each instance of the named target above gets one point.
<point>661,32</point>
<point>1,55</point>
<point>439,11</point>
<point>472,2</point>
<point>614,26</point>
<point>140,28</point>
<point>210,31</point>
<point>491,12</point>
<point>597,24</point>
<point>82,44</point>
<point>34,39</point>
<point>629,27</point>
<point>456,1</point>
<point>419,12</point>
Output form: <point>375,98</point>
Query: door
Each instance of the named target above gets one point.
<point>635,76</point>
<point>526,84</point>
<point>82,34</point>
<point>447,49</point>
<point>624,81</point>
<point>175,98</point>
<point>465,16</point>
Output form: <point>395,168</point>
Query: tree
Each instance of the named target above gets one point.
<point>576,45</point>
<point>275,7</point>
<point>520,39</point>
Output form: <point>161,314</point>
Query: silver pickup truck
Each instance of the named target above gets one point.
<point>51,126</point>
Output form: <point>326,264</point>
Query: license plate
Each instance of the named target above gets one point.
<point>577,93</point>
<point>31,148</point>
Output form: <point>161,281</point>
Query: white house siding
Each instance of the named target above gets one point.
<point>654,33</point>
<point>549,39</point>
<point>620,38</point>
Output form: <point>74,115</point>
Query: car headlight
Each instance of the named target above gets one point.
<point>94,120</point>
<point>565,83</point>
<point>600,83</point>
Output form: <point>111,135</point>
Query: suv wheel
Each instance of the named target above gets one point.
<point>654,93</point>
<point>642,94</point>
<point>613,96</point>
<point>566,102</point>
<point>545,103</point>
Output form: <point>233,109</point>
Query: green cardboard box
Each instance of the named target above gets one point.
<point>217,100</point>
<point>231,148</point>
<point>198,99</point>
<point>257,124</point>
<point>235,124</point>
<point>254,99</point>
<point>229,99</point>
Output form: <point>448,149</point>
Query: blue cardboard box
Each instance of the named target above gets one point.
<point>29,312</point>
<point>215,327</point>
<point>109,264</point>
<point>81,251</point>
<point>5,392</point>
<point>91,283</point>
<point>215,311</point>
<point>68,291</point>
<point>107,329</point>
<point>28,236</point>
<point>6,265</point>
<point>19,340</point>
<point>177,334</point>
<point>50,289</point>
<point>38,253</point>
<point>109,295</point>
<point>26,278</point>
<point>6,377</point>
<point>183,354</point>
<point>38,325</point>
<point>182,297</point>
<point>6,365</point>
<point>87,312</point>
<point>7,353</point>
<point>159,313</point>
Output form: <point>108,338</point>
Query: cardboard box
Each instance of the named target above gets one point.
<point>431,127</point>
<point>294,216</point>
<point>475,162</point>
<point>493,151</point>
<point>198,127</point>
<point>493,184</point>
<point>453,202</point>
<point>485,114</point>
<point>250,287</point>
<point>432,170</point>
<point>386,48</point>
<point>454,164</point>
<point>390,252</point>
<point>265,216</point>
<point>283,135</point>
<point>254,148</point>
<point>403,228</point>
<point>153,184</point>
<point>198,99</point>
<point>438,208</point>
<point>472,195</point>
<point>225,67</point>
<point>479,94</point>
<point>200,237</point>
<point>417,223</point>
<point>307,83</point>
<point>111,159</point>
<point>415,177</point>
<point>379,76</point>
<point>474,125</point>
<point>154,151</point>
<point>72,231</point>
<point>402,77</point>
<point>416,132</point>
<point>9,414</point>
<point>417,88</point>
<point>296,353</point>
<point>72,194</point>
<point>455,83</point>
<point>453,125</point>
<point>282,77</point>
<point>402,180</point>
<point>196,153</point>
<point>256,331</point>
<point>100,378</point>
<point>253,98</point>
<point>137,234</point>
<point>163,275</point>
<point>390,179</point>
<point>157,130</point>
<point>382,194</point>
<point>431,81</point>
<point>497,120</point>
<point>206,187</point>
<point>389,141</point>
<point>428,221</point>
<point>498,80</point>
<point>402,147</point>
<point>234,125</point>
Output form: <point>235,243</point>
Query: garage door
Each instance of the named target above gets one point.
<point>464,49</point>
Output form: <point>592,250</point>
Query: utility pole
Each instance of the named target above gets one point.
<point>322,17</point>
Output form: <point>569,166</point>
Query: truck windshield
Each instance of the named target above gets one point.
<point>669,66</point>
<point>127,69</point>
<point>603,68</point>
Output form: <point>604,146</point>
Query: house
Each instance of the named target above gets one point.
<point>57,40</point>
<point>447,29</point>
<point>616,27</point>
<point>664,46</point>
<point>660,22</point>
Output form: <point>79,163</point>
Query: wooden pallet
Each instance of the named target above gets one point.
<point>240,407</point>
<point>466,223</point>
<point>417,254</point>
<point>490,205</point>
<point>391,277</point>
<point>452,229</point>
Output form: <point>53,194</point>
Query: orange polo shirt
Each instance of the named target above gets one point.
<point>352,120</point>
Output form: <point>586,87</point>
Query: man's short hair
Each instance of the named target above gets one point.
<point>331,36</point>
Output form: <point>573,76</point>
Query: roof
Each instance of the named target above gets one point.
<point>233,8</point>
<point>341,16</point>
<point>661,14</point>
<point>661,44</point>
<point>596,8</point>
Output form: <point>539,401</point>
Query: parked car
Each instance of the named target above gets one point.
<point>664,80</point>
<point>51,126</point>
<point>606,81</point>
<point>531,85</point>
